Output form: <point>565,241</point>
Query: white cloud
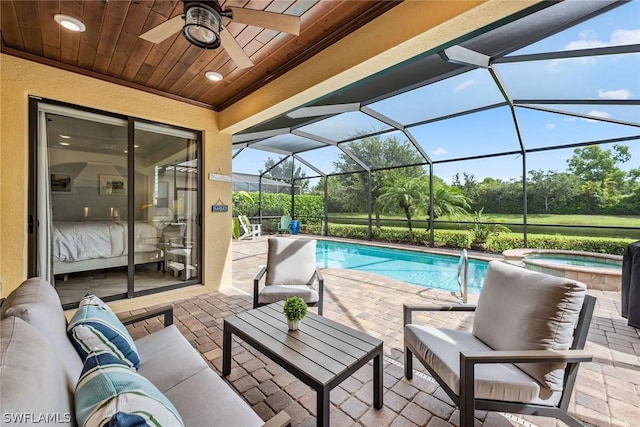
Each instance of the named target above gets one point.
<point>584,44</point>
<point>602,114</point>
<point>589,39</point>
<point>614,94</point>
<point>622,37</point>
<point>550,125</point>
<point>596,113</point>
<point>439,151</point>
<point>465,85</point>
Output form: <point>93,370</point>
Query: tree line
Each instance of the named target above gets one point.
<point>593,183</point>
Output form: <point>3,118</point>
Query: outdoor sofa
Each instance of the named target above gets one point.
<point>40,367</point>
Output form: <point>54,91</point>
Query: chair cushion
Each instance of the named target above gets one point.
<point>274,293</point>
<point>96,327</point>
<point>36,302</point>
<point>519,309</point>
<point>111,392</point>
<point>32,379</point>
<point>206,397</point>
<point>290,261</point>
<point>168,348</point>
<point>440,349</point>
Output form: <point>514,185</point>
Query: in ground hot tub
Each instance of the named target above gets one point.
<point>597,271</point>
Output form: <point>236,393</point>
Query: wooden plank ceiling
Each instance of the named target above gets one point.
<point>110,48</point>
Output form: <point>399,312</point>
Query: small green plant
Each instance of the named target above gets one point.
<point>480,231</point>
<point>295,308</point>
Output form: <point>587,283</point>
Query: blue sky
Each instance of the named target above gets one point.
<point>492,131</point>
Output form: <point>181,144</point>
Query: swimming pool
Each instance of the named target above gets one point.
<point>418,268</point>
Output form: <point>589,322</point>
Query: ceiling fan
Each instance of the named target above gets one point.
<point>202,25</point>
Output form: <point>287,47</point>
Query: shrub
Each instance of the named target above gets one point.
<point>459,239</point>
<point>606,245</point>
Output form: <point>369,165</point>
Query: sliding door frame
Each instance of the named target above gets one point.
<point>33,204</point>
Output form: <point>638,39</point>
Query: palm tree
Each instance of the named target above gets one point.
<point>406,193</point>
<point>449,201</point>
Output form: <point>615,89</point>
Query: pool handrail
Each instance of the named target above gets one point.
<point>463,274</point>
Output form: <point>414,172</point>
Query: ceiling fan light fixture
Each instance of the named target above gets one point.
<point>214,76</point>
<point>202,24</point>
<point>70,23</point>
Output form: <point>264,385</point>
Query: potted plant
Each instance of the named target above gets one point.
<point>481,231</point>
<point>295,309</point>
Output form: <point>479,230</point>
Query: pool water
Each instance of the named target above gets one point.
<point>418,268</point>
<point>583,261</point>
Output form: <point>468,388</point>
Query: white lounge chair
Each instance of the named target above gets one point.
<point>249,230</point>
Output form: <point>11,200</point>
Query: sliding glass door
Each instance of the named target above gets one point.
<point>114,203</point>
<point>166,164</point>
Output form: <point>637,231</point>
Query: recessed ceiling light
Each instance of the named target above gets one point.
<point>126,151</point>
<point>70,23</point>
<point>135,146</point>
<point>64,136</point>
<point>64,143</point>
<point>212,75</point>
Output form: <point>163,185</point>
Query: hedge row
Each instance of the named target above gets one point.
<point>462,239</point>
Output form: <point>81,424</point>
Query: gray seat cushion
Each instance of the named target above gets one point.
<point>167,358</point>
<point>205,399</point>
<point>36,302</point>
<point>275,293</point>
<point>290,261</point>
<point>440,349</point>
<point>32,379</point>
<point>519,309</point>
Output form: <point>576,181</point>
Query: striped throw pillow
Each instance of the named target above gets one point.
<point>96,327</point>
<point>110,393</point>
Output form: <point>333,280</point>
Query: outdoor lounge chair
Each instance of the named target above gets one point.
<point>249,230</point>
<point>521,317</point>
<point>285,224</point>
<point>290,271</point>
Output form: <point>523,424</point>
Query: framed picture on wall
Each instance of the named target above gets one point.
<point>60,183</point>
<point>113,185</point>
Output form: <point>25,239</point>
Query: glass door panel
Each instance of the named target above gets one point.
<point>166,226</point>
<point>83,206</point>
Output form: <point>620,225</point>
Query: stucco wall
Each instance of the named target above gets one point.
<point>20,78</point>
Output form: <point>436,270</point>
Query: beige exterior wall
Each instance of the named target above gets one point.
<point>20,78</point>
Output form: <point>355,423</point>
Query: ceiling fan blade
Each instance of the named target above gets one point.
<point>273,21</point>
<point>234,50</point>
<point>322,110</point>
<point>164,31</point>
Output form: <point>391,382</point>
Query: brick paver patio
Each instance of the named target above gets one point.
<point>607,392</point>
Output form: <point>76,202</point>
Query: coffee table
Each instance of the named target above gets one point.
<point>322,353</point>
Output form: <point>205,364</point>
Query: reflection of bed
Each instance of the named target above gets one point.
<point>92,245</point>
